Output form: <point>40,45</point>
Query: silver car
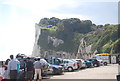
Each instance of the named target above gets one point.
<point>70,65</point>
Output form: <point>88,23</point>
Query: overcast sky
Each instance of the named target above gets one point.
<point>18,18</point>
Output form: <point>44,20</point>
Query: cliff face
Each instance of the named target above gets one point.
<point>55,41</point>
<point>36,47</point>
<point>38,50</point>
<point>72,38</point>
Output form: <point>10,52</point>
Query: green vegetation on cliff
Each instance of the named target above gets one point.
<point>102,38</point>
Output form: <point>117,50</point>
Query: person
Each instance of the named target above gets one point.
<point>6,74</point>
<point>1,78</point>
<point>13,68</point>
<point>29,69</point>
<point>37,66</point>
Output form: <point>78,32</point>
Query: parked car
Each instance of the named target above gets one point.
<point>50,69</point>
<point>55,61</point>
<point>57,69</point>
<point>78,63</point>
<point>83,64</point>
<point>55,64</point>
<point>88,63</point>
<point>45,66</point>
<point>69,65</point>
<point>95,62</point>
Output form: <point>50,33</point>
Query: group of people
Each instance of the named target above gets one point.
<point>14,67</point>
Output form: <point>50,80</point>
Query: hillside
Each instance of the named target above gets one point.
<point>65,35</point>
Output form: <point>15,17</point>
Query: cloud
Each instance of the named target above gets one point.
<point>17,33</point>
<point>56,8</point>
<point>42,8</point>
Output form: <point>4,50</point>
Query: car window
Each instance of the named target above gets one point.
<point>66,61</point>
<point>90,59</point>
<point>49,60</point>
<point>71,61</point>
<point>86,61</point>
<point>95,59</point>
<point>57,61</point>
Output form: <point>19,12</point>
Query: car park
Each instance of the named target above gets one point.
<point>69,65</point>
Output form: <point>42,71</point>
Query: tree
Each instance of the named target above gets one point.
<point>44,21</point>
<point>86,26</point>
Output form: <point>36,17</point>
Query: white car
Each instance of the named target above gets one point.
<point>53,69</point>
<point>78,64</point>
<point>83,64</point>
<point>69,65</point>
<point>47,68</point>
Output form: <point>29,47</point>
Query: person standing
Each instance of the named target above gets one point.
<point>12,68</point>
<point>37,66</point>
<point>29,69</point>
<point>6,74</point>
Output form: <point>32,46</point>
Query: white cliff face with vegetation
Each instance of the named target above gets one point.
<point>74,38</point>
<point>36,48</point>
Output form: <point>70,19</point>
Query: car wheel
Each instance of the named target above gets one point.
<point>70,69</point>
<point>95,65</point>
<point>105,63</point>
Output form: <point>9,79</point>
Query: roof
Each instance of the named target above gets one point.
<point>102,54</point>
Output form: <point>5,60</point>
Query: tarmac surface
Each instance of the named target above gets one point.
<point>103,72</point>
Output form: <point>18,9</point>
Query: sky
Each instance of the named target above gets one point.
<point>18,18</point>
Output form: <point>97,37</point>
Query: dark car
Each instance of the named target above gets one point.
<point>95,62</point>
<point>57,69</point>
<point>88,63</point>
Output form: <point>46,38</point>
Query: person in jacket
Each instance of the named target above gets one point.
<point>13,68</point>
<point>29,69</point>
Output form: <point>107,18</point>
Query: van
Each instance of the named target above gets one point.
<point>105,59</point>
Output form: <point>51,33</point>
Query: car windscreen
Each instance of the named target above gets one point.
<point>54,61</point>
